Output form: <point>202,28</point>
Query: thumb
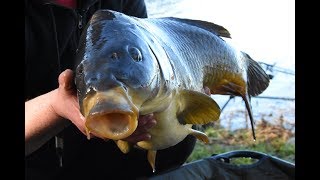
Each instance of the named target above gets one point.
<point>66,79</point>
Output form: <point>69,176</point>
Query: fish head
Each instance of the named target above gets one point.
<point>116,72</point>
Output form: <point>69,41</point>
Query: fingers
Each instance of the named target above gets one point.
<point>68,100</point>
<point>146,121</point>
<point>134,138</point>
<point>80,123</point>
<point>149,124</point>
<point>77,118</point>
<point>141,133</point>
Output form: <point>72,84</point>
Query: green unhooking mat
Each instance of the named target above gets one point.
<point>219,167</point>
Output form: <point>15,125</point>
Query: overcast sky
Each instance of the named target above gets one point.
<point>265,29</point>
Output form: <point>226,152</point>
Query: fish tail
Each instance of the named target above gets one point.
<point>247,99</point>
<point>258,80</point>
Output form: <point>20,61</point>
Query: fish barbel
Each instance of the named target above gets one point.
<point>128,66</point>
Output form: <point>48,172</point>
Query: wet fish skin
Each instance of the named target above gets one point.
<point>225,70</point>
<point>128,66</point>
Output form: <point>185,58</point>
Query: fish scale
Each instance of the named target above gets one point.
<point>185,40</point>
<point>127,67</point>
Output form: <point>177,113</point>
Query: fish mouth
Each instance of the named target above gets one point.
<point>110,114</point>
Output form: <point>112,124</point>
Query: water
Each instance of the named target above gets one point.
<point>263,29</point>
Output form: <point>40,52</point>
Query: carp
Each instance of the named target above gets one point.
<point>126,66</point>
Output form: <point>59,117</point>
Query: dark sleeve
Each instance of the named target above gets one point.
<point>135,8</point>
<point>41,55</point>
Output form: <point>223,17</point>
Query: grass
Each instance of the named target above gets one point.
<point>271,139</point>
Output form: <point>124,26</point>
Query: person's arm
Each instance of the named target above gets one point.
<point>135,8</point>
<point>41,122</point>
<point>45,115</point>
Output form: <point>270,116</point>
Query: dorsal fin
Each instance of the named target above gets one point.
<point>214,28</point>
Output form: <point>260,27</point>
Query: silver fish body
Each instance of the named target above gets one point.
<point>128,66</point>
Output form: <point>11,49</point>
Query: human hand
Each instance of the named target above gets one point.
<point>66,105</point>
<point>145,122</point>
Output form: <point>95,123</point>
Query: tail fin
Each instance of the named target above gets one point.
<point>258,80</point>
<point>247,99</point>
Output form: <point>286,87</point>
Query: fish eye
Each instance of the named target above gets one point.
<point>135,54</point>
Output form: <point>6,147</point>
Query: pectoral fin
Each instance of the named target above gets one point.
<point>124,146</point>
<point>196,108</point>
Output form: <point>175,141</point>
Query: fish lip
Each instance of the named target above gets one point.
<point>114,124</point>
<point>110,114</point>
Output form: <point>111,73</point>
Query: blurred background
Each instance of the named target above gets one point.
<point>264,29</point>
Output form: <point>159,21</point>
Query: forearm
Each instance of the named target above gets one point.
<point>41,121</point>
